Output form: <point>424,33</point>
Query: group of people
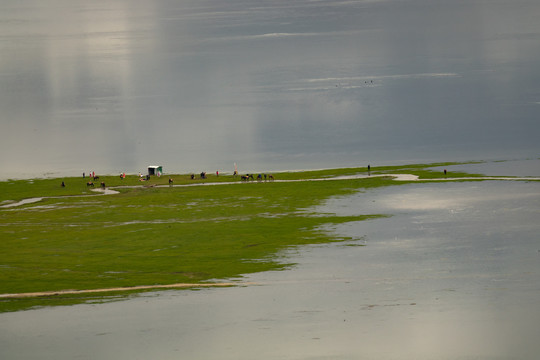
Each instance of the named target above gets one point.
<point>202,175</point>
<point>89,183</point>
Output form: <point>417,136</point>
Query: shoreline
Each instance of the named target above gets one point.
<point>395,177</point>
<point>116,289</point>
<point>69,173</point>
<point>384,164</point>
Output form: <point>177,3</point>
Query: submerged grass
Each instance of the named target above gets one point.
<point>159,235</point>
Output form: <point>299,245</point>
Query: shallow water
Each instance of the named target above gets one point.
<point>529,167</point>
<point>453,274</point>
<point>22,202</point>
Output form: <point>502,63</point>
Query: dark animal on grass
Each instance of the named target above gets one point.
<point>90,184</point>
<point>271,177</point>
<point>103,184</point>
<point>170,181</point>
<point>96,178</point>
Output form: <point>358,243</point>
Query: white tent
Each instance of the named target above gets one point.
<point>155,170</point>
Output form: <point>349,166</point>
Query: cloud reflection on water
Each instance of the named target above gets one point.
<point>114,86</point>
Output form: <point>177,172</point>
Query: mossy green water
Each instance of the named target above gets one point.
<point>160,235</point>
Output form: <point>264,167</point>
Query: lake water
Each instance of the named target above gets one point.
<point>454,273</point>
<point>530,167</point>
<point>116,86</point>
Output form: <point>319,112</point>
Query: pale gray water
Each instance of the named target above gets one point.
<point>454,274</point>
<point>530,167</point>
<point>197,85</point>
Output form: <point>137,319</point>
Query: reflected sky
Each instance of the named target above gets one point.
<point>112,86</point>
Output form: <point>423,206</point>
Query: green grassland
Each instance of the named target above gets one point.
<point>146,234</point>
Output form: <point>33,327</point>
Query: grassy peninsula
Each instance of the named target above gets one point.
<point>150,233</point>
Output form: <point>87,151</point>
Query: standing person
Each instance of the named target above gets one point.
<point>369,170</point>
<point>83,175</point>
<point>217,172</point>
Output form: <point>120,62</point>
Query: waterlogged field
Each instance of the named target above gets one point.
<point>150,233</point>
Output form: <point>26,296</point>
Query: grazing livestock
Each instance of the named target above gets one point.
<point>96,178</point>
<point>170,181</point>
<point>90,184</point>
<point>271,177</point>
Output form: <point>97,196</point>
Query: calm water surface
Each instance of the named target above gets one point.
<point>529,167</point>
<point>115,86</point>
<point>453,274</point>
